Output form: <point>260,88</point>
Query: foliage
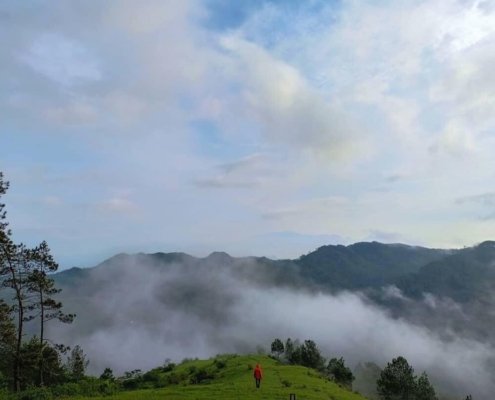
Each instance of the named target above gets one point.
<point>7,344</point>
<point>200,375</point>
<point>77,363</point>
<point>311,356</point>
<point>338,371</point>
<point>277,347</point>
<point>35,393</point>
<point>87,386</point>
<point>396,380</point>
<point>53,370</point>
<point>424,390</point>
<point>289,349</point>
<point>219,363</point>
<point>107,375</point>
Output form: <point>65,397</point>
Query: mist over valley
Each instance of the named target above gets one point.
<point>365,302</point>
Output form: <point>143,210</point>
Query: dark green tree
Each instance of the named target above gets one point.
<point>339,372</point>
<point>77,363</point>
<point>289,348</point>
<point>7,343</point>
<point>42,288</point>
<point>311,356</point>
<point>397,381</point>
<point>15,270</point>
<point>24,275</point>
<point>31,352</point>
<point>107,375</point>
<point>7,270</point>
<point>293,351</point>
<point>424,389</point>
<point>277,347</point>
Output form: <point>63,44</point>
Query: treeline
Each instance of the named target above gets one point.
<point>28,295</point>
<point>395,382</point>
<point>308,354</point>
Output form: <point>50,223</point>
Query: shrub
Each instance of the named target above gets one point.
<point>219,363</point>
<point>200,375</point>
<point>173,379</point>
<point>36,394</point>
<point>168,367</point>
<point>67,389</point>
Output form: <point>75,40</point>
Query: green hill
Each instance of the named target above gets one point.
<point>230,378</point>
<point>466,276</point>
<point>364,265</point>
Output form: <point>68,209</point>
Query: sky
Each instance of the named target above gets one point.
<point>252,127</point>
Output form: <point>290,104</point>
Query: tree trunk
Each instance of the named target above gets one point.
<point>17,358</point>
<point>42,343</point>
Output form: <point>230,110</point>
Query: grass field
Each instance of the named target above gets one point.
<point>234,381</point>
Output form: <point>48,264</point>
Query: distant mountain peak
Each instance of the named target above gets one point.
<point>487,244</point>
<point>220,256</point>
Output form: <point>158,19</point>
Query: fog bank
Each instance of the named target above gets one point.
<point>139,314</point>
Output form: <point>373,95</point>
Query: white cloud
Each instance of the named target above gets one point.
<point>62,60</point>
<point>118,205</point>
<point>334,101</point>
<point>289,111</point>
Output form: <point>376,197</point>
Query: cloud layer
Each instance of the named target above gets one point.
<point>135,314</point>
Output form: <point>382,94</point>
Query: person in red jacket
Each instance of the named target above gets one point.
<point>258,375</point>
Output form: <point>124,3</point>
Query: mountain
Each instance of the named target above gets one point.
<point>357,266</point>
<point>135,310</point>
<point>364,265</point>
<point>464,276</point>
<point>444,290</point>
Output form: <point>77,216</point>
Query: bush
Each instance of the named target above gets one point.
<point>168,367</point>
<point>67,389</point>
<point>286,383</point>
<point>200,375</point>
<point>86,387</point>
<point>35,394</point>
<point>173,379</point>
<point>338,371</point>
<point>220,364</point>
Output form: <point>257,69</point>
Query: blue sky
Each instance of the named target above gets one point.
<point>257,128</point>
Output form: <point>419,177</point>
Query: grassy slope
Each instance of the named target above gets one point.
<point>235,381</point>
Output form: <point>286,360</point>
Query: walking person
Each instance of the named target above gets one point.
<point>258,375</point>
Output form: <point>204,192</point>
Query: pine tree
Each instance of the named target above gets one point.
<point>77,363</point>
<point>289,349</point>
<point>424,389</point>
<point>311,356</point>
<point>15,270</point>
<point>107,375</point>
<point>397,381</point>
<point>43,288</point>
<point>338,371</point>
<point>23,273</point>
<point>277,347</point>
<point>7,341</point>
<point>14,265</point>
